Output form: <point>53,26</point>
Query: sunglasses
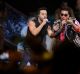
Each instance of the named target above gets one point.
<point>64,14</point>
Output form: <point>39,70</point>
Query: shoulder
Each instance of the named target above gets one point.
<point>32,19</point>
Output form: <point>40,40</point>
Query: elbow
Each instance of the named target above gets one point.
<point>34,34</point>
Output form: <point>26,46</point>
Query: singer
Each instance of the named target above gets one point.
<point>38,35</point>
<point>65,20</point>
<point>64,29</point>
<point>38,28</point>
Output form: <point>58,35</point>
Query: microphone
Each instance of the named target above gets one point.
<point>48,21</point>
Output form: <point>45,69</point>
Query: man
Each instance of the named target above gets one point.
<point>37,34</point>
<point>63,23</point>
<point>38,28</point>
<point>65,49</point>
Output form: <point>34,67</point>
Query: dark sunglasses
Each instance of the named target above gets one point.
<point>64,14</point>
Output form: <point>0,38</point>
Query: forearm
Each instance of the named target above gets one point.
<point>37,30</point>
<point>76,27</point>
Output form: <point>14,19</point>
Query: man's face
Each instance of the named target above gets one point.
<point>64,15</point>
<point>43,14</point>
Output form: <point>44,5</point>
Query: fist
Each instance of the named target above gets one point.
<point>64,22</point>
<point>70,22</point>
<point>44,21</point>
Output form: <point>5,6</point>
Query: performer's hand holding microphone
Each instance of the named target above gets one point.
<point>71,21</point>
<point>45,21</point>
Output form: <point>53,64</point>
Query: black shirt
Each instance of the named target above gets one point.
<point>35,42</point>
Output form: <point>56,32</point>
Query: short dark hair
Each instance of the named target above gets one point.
<point>41,8</point>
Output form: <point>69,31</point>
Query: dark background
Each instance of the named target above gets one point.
<point>66,60</point>
<point>27,6</point>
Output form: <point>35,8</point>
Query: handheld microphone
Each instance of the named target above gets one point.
<point>48,21</point>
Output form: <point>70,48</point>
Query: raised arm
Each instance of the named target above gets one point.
<point>35,30</point>
<point>75,25</point>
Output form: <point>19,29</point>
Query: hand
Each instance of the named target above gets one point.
<point>50,32</point>
<point>70,22</point>
<point>63,22</point>
<point>44,21</point>
<point>49,28</point>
